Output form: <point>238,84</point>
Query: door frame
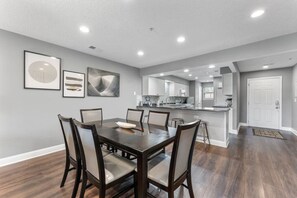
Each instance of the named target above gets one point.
<point>280,78</point>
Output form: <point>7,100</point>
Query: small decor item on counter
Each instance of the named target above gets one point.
<point>126,125</point>
<point>228,102</point>
<point>103,83</point>
<point>73,84</point>
<point>42,71</point>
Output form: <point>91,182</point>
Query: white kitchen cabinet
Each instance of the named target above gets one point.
<point>228,84</point>
<point>153,86</point>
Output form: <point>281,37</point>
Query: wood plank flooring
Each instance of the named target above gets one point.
<point>252,166</point>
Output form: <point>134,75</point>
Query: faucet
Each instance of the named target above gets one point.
<point>167,99</point>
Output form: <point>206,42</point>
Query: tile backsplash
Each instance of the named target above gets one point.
<point>164,99</point>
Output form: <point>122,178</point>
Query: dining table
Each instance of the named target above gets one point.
<point>140,141</point>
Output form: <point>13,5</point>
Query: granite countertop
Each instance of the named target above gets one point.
<point>184,107</point>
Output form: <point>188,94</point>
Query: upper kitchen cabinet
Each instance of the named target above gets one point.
<point>228,84</point>
<point>153,86</point>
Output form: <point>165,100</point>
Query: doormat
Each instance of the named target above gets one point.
<point>268,133</point>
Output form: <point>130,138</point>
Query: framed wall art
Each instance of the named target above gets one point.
<point>41,71</point>
<point>103,83</point>
<point>73,84</point>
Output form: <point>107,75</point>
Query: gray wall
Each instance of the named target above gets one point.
<point>28,118</point>
<point>286,74</point>
<point>294,106</point>
<point>207,103</point>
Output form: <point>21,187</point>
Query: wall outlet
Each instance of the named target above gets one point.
<point>295,99</point>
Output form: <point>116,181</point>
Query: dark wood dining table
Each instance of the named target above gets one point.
<point>141,141</point>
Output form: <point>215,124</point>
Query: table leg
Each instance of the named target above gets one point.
<point>141,176</point>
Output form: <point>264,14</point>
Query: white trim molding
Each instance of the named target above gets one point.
<point>29,155</point>
<point>214,142</point>
<point>289,129</point>
<point>233,131</point>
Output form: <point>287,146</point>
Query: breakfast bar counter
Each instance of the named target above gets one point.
<point>217,120</point>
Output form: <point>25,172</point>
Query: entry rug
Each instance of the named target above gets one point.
<point>268,133</point>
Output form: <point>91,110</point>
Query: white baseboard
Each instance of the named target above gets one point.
<point>233,131</point>
<point>294,131</point>
<point>242,124</point>
<point>289,129</point>
<point>214,142</point>
<point>29,155</point>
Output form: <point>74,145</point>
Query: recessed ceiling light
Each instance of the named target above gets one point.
<point>211,66</point>
<point>257,13</point>
<point>196,77</point>
<point>46,64</point>
<point>53,57</point>
<point>265,67</point>
<point>186,70</point>
<point>84,29</point>
<point>161,74</point>
<point>210,76</point>
<point>181,39</point>
<point>41,69</point>
<point>140,53</point>
<point>190,75</point>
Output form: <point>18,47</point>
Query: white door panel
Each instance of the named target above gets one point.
<point>263,102</point>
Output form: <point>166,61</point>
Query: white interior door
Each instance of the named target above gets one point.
<point>264,102</point>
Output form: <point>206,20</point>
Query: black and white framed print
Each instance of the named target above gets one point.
<point>73,84</point>
<point>103,83</point>
<point>41,71</point>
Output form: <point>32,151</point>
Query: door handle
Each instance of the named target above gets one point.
<point>277,104</point>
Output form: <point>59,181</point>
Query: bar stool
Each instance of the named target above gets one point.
<point>177,121</point>
<point>205,135</point>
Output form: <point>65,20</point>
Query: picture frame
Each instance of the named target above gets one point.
<point>41,72</point>
<point>102,83</point>
<point>73,84</point>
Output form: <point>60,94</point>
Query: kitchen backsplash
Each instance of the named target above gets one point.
<point>163,99</point>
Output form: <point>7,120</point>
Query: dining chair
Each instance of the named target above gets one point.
<point>158,118</point>
<point>72,152</point>
<point>101,172</point>
<point>168,173</point>
<point>91,115</point>
<point>134,115</point>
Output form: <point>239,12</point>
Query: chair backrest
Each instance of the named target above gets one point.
<point>91,115</point>
<point>90,150</point>
<point>158,118</point>
<point>134,115</point>
<point>71,144</point>
<point>182,152</point>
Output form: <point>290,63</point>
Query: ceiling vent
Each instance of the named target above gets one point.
<point>92,47</point>
<point>225,70</point>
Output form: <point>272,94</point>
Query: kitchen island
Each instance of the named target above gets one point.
<point>217,120</point>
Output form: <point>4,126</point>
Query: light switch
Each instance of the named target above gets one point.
<point>295,99</point>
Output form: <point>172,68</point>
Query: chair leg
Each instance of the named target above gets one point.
<point>77,180</point>
<point>83,186</point>
<point>207,134</point>
<point>67,165</point>
<point>190,187</point>
<point>171,194</point>
<point>135,185</point>
<point>102,192</point>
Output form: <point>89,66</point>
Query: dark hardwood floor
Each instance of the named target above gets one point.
<point>251,167</point>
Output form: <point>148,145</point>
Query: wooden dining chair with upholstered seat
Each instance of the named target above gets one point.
<point>134,115</point>
<point>158,118</point>
<point>101,172</point>
<point>91,115</point>
<point>168,173</point>
<point>72,152</point>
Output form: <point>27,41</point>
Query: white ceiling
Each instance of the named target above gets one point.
<point>119,28</point>
<point>277,61</point>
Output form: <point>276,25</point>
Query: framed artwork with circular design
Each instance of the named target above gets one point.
<point>41,71</point>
